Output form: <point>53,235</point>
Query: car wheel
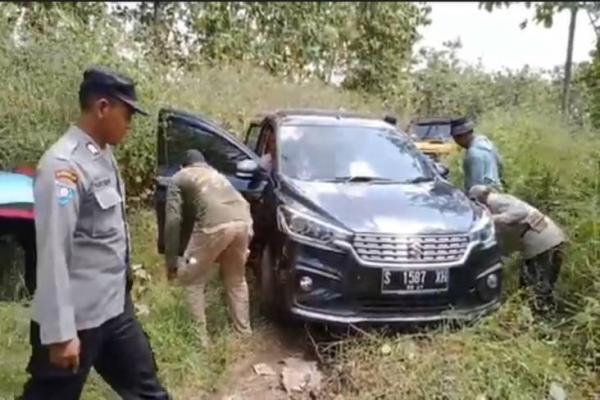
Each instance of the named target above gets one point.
<point>28,245</point>
<point>266,282</point>
<point>16,273</point>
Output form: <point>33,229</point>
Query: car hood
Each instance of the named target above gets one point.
<point>425,208</point>
<point>15,188</point>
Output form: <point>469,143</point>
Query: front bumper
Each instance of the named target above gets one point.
<point>346,292</point>
<point>465,315</point>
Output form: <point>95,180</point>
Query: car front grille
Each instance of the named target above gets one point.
<point>392,249</point>
<point>422,304</point>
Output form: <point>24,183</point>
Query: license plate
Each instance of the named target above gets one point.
<point>414,280</point>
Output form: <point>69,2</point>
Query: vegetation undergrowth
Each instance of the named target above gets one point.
<point>185,367</point>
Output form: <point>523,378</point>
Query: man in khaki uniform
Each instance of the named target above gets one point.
<point>540,239</point>
<point>222,228</point>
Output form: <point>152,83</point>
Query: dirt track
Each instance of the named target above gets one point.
<point>270,345</point>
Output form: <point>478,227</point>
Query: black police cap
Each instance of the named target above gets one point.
<point>114,84</point>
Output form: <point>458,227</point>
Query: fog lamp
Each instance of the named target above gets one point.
<point>306,283</point>
<point>492,281</point>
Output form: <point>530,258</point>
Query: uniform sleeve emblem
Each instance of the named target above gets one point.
<point>64,193</point>
<point>66,177</point>
<point>66,185</point>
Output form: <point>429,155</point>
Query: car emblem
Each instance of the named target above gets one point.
<point>415,251</point>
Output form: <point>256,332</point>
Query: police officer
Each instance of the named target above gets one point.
<point>202,201</point>
<point>82,311</point>
<point>482,164</point>
<point>540,239</point>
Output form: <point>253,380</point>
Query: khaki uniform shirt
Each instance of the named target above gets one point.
<point>199,199</point>
<point>537,232</point>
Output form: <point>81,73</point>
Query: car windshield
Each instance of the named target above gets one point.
<point>432,132</point>
<point>351,154</point>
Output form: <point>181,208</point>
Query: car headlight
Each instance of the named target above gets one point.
<point>310,230</point>
<point>484,231</point>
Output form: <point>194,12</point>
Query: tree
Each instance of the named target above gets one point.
<point>370,44</point>
<point>380,46</point>
<point>159,28</point>
<point>569,59</point>
<point>45,17</point>
<point>544,13</point>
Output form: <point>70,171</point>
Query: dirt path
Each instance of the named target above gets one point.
<point>269,347</point>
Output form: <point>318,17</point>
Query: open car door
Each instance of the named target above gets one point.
<point>179,131</point>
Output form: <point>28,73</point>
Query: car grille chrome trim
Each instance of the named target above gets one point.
<point>471,314</point>
<point>401,249</point>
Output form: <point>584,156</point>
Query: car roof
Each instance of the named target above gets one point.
<point>299,116</point>
<point>316,116</point>
<point>192,116</point>
<point>432,120</point>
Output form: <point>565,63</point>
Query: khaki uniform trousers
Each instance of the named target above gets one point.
<point>226,245</point>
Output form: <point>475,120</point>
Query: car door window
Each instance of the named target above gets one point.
<point>219,153</point>
<point>266,148</point>
<point>252,136</point>
<point>266,134</point>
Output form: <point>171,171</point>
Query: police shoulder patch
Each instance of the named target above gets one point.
<point>66,177</point>
<point>64,193</point>
<point>92,148</point>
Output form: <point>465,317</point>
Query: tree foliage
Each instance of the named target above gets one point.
<point>445,86</point>
<point>544,11</point>
<point>45,17</point>
<point>369,44</point>
<point>380,49</point>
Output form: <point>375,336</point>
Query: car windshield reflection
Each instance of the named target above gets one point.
<point>348,154</point>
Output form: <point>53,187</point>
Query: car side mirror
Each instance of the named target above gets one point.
<point>441,169</point>
<point>246,169</point>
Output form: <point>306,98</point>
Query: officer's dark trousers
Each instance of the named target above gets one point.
<point>118,350</point>
<point>540,273</point>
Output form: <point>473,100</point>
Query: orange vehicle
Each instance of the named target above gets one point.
<point>432,136</point>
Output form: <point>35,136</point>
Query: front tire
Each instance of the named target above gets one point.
<point>268,298</point>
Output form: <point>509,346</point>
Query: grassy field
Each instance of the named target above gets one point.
<point>187,369</point>
<point>510,355</point>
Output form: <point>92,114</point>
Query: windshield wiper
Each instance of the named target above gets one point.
<point>358,178</point>
<point>420,179</point>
